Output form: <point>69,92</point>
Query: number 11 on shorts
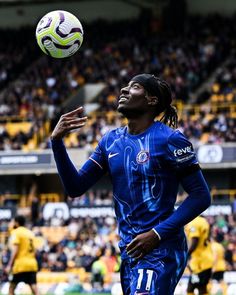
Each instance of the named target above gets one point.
<point>146,276</point>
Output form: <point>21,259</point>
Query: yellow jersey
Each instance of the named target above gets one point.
<point>25,260</point>
<point>202,257</point>
<point>219,257</point>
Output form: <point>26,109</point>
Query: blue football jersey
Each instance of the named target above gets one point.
<point>144,170</point>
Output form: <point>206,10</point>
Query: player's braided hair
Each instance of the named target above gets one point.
<point>170,116</point>
<point>161,89</point>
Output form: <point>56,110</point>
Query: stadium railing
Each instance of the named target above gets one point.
<point>23,201</point>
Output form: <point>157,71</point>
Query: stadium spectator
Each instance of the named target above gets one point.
<point>60,263</point>
<point>99,271</point>
<point>81,254</point>
<point>35,210</point>
<point>183,60</point>
<point>5,257</point>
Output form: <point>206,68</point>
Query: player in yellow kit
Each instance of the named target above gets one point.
<point>219,265</point>
<point>200,255</point>
<point>22,264</point>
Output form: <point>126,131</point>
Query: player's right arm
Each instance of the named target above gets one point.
<point>193,245</point>
<point>15,241</point>
<point>193,235</point>
<point>76,182</point>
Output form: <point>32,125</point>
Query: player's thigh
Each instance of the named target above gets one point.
<point>218,276</point>
<point>158,275</point>
<point>205,276</point>
<point>199,281</point>
<point>26,277</point>
<point>191,286</point>
<point>30,278</point>
<point>204,280</point>
<point>125,276</point>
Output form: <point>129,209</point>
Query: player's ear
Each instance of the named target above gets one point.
<point>152,100</point>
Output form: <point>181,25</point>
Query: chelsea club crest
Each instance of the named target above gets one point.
<point>142,157</point>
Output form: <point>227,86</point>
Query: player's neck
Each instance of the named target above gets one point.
<point>139,125</point>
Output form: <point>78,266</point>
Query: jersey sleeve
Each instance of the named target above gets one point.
<point>180,152</point>
<point>98,156</point>
<point>76,182</point>
<point>182,158</point>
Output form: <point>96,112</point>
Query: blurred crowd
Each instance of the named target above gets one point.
<point>34,88</point>
<point>91,243</point>
<point>112,53</point>
<point>224,231</point>
<point>209,128</point>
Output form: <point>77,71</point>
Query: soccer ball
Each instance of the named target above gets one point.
<point>59,34</point>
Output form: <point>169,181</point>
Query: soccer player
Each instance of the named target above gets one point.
<point>146,160</point>
<point>200,255</point>
<point>219,265</point>
<point>22,264</point>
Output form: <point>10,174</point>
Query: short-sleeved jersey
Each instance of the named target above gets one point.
<point>202,256</point>
<point>144,170</point>
<point>25,260</point>
<point>219,257</point>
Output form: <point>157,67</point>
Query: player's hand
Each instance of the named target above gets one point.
<point>7,270</point>
<point>143,244</point>
<point>68,122</point>
<point>189,268</point>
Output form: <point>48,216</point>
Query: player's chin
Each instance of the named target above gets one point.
<point>126,111</point>
<point>122,108</point>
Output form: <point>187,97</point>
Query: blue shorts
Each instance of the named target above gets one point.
<point>156,274</point>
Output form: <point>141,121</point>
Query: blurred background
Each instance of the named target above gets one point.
<point>189,43</point>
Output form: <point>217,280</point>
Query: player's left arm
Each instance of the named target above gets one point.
<point>14,252</point>
<point>183,160</point>
<point>193,245</point>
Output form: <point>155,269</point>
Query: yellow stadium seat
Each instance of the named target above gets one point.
<point>50,197</point>
<point>204,138</point>
<point>15,127</point>
<point>216,88</point>
<point>71,140</point>
<point>229,97</point>
<point>30,146</point>
<point>221,98</point>
<point>214,98</point>
<point>55,277</point>
<point>54,234</point>
<point>209,117</point>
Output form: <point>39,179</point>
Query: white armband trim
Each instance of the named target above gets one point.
<point>156,233</point>
<point>96,162</point>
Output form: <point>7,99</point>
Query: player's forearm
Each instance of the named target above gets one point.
<point>75,182</point>
<point>199,200</point>
<point>13,256</point>
<point>193,246</point>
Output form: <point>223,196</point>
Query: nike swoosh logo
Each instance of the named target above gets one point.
<point>112,155</point>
